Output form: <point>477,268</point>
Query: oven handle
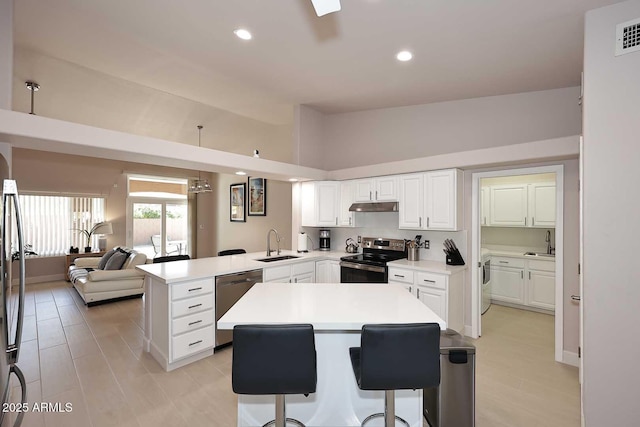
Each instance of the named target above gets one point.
<point>364,267</point>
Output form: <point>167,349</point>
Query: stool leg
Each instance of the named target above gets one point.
<point>280,411</point>
<point>389,409</point>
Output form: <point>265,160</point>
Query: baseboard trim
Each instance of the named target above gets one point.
<point>570,358</point>
<point>40,279</point>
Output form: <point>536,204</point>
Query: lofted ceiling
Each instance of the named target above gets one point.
<point>341,62</point>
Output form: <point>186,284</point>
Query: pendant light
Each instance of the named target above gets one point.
<point>200,185</point>
<point>33,87</point>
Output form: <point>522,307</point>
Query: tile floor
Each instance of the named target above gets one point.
<point>93,359</point>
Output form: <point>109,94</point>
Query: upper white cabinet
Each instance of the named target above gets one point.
<point>347,197</point>
<point>485,206</point>
<point>320,203</point>
<point>508,206</point>
<point>542,204</point>
<point>431,201</point>
<point>521,205</point>
<point>379,189</point>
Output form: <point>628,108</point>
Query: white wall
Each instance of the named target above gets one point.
<point>611,294</point>
<point>6,52</point>
<point>390,134</point>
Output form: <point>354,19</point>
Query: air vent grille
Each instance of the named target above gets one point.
<point>628,37</point>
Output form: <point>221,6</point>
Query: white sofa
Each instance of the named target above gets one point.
<point>96,286</point>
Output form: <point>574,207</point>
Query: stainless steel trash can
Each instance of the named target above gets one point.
<point>453,403</point>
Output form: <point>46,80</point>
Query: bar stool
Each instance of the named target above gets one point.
<point>396,357</point>
<point>274,359</point>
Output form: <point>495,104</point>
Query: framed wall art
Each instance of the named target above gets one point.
<point>257,197</point>
<point>237,202</point>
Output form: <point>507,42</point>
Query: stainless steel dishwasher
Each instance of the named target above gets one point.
<point>229,289</point>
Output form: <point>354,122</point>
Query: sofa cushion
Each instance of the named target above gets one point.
<point>105,258</point>
<point>116,260</point>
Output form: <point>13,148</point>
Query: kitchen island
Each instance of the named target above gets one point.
<point>337,313</point>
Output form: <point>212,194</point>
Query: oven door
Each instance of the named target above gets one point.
<point>351,272</point>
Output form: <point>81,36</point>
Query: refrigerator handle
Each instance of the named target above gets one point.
<point>21,286</point>
<point>23,387</point>
<point>3,261</point>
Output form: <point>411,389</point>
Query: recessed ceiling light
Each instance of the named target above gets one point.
<point>293,179</point>
<point>241,173</point>
<point>404,56</point>
<point>243,34</point>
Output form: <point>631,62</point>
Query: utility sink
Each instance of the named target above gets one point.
<point>277,258</point>
<point>539,254</point>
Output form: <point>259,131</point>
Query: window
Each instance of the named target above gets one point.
<point>51,223</point>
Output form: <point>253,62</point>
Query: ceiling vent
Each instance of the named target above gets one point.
<point>628,37</point>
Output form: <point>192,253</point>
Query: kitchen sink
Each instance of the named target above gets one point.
<point>539,254</point>
<point>277,258</point>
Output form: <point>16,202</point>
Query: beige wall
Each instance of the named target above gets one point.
<point>611,295</point>
<point>252,234</point>
<point>391,134</point>
<point>39,171</point>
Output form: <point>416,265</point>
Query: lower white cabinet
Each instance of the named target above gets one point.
<point>442,293</point>
<point>525,282</point>
<point>327,271</point>
<point>303,272</point>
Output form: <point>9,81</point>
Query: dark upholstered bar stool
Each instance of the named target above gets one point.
<point>232,252</point>
<point>274,359</point>
<point>396,357</point>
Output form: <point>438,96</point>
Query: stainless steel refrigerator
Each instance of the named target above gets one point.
<point>12,306</point>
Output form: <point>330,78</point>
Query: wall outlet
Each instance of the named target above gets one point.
<point>426,244</point>
<point>359,239</point>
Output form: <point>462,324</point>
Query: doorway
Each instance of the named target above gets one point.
<point>515,217</point>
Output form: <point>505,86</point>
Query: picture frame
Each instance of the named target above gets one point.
<point>237,198</point>
<point>257,196</point>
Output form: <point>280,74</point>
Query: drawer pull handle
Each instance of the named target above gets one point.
<point>430,281</point>
<point>195,289</point>
<point>194,306</point>
<point>194,343</point>
<point>195,323</point>
<point>503,262</point>
<point>398,275</point>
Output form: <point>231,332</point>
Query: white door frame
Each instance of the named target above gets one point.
<point>476,295</point>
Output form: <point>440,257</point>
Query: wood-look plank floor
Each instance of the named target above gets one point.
<point>93,359</point>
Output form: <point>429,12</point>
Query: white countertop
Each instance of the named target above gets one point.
<point>177,271</point>
<point>430,266</point>
<point>334,307</point>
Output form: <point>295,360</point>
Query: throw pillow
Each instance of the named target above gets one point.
<point>105,258</point>
<point>116,261</point>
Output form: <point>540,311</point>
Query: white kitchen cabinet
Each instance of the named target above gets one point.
<point>327,271</point>
<point>320,203</point>
<point>508,205</point>
<point>485,206</point>
<point>347,197</point>
<point>542,204</point>
<point>442,293</point>
<point>378,189</point>
<point>525,282</point>
<point>431,201</point>
<point>507,284</point>
<point>541,284</point>
<point>303,272</point>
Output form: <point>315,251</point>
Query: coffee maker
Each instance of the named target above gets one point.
<point>325,240</point>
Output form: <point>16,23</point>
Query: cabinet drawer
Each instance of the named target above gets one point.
<point>192,342</point>
<point>500,261</point>
<point>191,289</point>
<point>192,322</point>
<point>273,273</point>
<point>432,280</point>
<point>541,265</point>
<point>191,305</point>
<point>400,276</point>
<point>302,268</point>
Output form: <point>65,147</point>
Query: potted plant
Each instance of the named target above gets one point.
<point>99,228</point>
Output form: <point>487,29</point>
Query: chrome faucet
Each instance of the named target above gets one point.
<point>269,241</point>
<point>548,240</point>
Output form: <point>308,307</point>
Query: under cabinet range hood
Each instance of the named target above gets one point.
<point>374,207</point>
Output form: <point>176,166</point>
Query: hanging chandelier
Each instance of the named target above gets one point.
<point>200,185</point>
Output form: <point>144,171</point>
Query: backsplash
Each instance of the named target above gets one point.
<point>529,238</point>
<point>385,224</point>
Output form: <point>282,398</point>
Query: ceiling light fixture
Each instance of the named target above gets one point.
<point>324,7</point>
<point>404,56</point>
<point>33,87</point>
<point>200,185</point>
<point>243,34</point>
<point>293,179</point>
<point>241,173</point>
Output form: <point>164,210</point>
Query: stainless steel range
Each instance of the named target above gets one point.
<point>371,265</point>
